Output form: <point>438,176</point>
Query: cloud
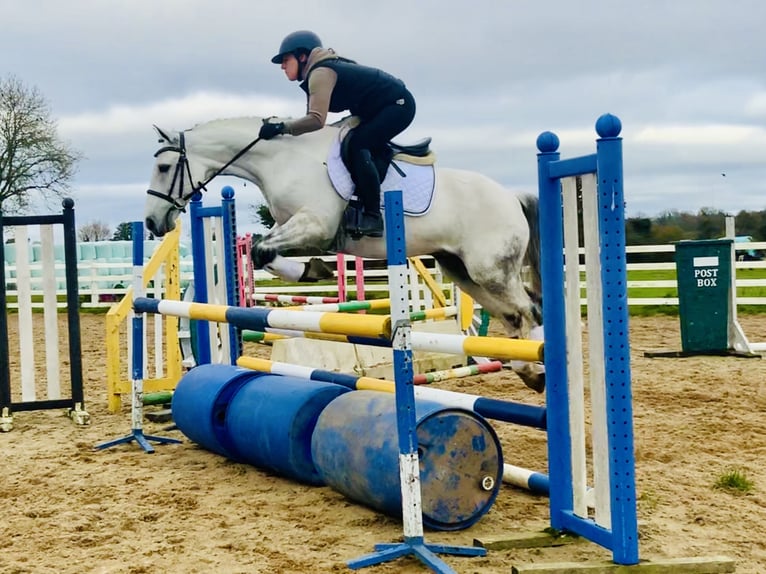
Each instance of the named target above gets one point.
<point>756,105</point>
<point>112,204</point>
<point>701,135</point>
<point>685,77</point>
<point>173,113</point>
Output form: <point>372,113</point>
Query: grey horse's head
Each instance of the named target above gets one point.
<point>171,186</point>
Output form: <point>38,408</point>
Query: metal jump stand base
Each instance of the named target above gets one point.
<point>140,438</point>
<point>417,547</point>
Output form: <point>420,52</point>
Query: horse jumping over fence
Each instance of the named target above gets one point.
<point>480,233</point>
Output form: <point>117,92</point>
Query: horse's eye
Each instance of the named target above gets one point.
<point>164,167</point>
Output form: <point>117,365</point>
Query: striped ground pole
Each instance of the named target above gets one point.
<point>436,313</point>
<point>377,304</point>
<point>375,326</point>
<point>271,335</point>
<point>262,318</point>
<point>294,299</point>
<point>345,307</point>
<point>536,482</point>
<point>495,347</point>
<point>495,409</point>
<point>458,372</point>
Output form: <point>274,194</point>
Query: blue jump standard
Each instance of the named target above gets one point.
<point>137,433</point>
<point>405,403</point>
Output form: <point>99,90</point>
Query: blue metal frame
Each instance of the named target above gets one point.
<point>622,539</point>
<point>231,265</point>
<point>227,212</point>
<point>413,545</point>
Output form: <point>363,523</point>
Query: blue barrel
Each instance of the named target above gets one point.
<point>271,419</point>
<point>200,402</point>
<point>356,451</point>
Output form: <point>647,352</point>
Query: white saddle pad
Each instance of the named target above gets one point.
<point>417,184</point>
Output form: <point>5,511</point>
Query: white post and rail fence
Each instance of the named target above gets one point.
<point>104,281</point>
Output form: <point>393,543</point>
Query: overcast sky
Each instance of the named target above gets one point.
<point>686,77</point>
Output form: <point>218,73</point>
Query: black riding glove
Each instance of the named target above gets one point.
<point>269,130</point>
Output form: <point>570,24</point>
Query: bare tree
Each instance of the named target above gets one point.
<point>94,231</point>
<point>33,160</point>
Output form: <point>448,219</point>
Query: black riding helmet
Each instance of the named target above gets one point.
<point>295,42</point>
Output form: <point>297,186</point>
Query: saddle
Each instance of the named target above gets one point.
<point>418,153</point>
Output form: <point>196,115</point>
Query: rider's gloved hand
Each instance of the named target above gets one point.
<point>269,130</point>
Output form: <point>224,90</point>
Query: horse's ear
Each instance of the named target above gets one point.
<point>163,136</point>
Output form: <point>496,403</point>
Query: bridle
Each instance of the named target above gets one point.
<point>183,170</point>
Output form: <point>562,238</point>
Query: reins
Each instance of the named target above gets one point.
<point>238,155</point>
<point>183,169</point>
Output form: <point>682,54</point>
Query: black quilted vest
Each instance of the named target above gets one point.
<point>361,90</point>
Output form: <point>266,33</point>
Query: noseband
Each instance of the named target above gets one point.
<point>184,170</point>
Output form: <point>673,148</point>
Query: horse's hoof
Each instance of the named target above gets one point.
<point>316,270</point>
<point>532,377</point>
<point>262,257</point>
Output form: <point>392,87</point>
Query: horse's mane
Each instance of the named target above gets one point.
<point>337,124</point>
<point>219,121</point>
<point>344,121</point>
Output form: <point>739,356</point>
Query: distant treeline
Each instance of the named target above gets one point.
<point>707,223</point>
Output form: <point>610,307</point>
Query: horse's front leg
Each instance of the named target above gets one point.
<point>301,230</point>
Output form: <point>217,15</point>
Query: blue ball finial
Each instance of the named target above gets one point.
<point>547,142</point>
<point>68,203</point>
<point>608,126</point>
<point>227,192</point>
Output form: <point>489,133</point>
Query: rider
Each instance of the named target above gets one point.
<point>334,84</point>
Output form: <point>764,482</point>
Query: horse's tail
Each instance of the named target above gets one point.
<point>529,205</point>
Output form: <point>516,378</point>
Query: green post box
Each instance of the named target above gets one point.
<point>703,270</point>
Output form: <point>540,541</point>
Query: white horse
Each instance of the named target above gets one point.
<point>480,233</point>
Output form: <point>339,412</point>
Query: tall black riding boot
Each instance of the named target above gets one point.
<point>368,191</point>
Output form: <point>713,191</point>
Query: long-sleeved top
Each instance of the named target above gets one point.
<point>336,84</point>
